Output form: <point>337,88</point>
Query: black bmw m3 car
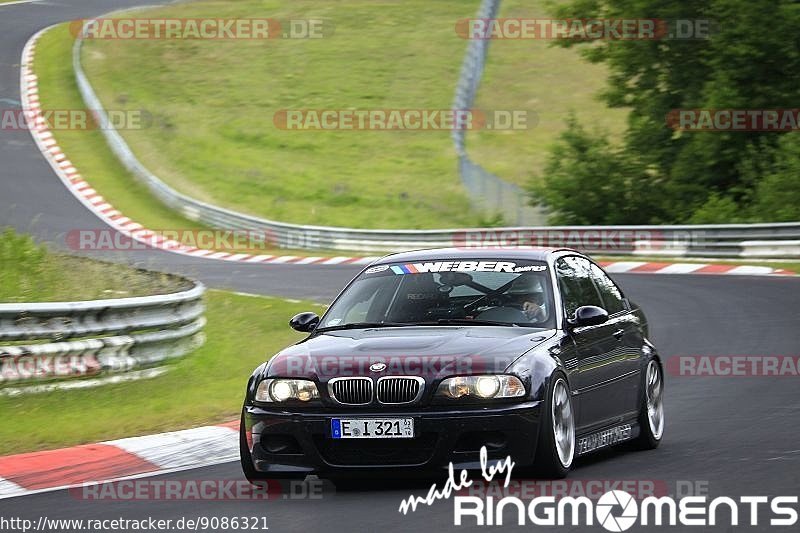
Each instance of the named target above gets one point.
<point>434,357</point>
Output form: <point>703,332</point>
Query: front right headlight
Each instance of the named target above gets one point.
<point>489,386</point>
<point>281,390</point>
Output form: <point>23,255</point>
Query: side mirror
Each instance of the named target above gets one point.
<point>304,322</point>
<point>588,315</point>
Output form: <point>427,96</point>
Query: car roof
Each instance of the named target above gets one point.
<point>444,254</point>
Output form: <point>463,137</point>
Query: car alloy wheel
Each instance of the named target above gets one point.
<point>654,391</point>
<point>563,423</point>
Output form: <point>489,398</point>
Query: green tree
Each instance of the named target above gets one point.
<point>750,61</point>
<point>588,181</point>
<point>777,196</point>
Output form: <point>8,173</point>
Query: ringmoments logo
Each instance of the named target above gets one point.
<point>615,510</point>
<point>618,510</point>
<point>610,501</point>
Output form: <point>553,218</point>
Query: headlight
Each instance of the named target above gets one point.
<point>491,386</point>
<point>281,390</point>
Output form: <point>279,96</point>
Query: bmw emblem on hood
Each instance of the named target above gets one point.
<point>377,367</point>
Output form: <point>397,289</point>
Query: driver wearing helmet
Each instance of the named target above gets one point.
<point>527,291</point>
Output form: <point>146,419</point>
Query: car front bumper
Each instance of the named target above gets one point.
<point>294,442</point>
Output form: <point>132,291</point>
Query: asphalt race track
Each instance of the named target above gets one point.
<point>734,436</point>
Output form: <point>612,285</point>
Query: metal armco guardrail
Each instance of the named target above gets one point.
<point>88,338</point>
<point>726,240</point>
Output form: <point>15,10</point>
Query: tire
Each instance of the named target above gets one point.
<point>253,476</point>
<point>651,410</point>
<point>554,456</point>
<point>249,470</point>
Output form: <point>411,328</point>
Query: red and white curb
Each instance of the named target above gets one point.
<point>640,267</point>
<point>46,471</point>
<point>98,205</point>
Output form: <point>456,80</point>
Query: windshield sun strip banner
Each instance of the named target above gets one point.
<point>458,266</point>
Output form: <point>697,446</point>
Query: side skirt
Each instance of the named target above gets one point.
<point>605,437</point>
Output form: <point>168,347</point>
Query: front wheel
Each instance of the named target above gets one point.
<point>248,468</point>
<point>651,411</point>
<point>253,476</point>
<point>556,447</point>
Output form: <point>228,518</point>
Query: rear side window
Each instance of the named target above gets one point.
<point>612,296</point>
<point>577,288</point>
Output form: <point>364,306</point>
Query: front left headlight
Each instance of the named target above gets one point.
<point>281,390</point>
<point>485,387</point>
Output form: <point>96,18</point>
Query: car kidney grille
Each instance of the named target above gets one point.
<point>398,390</point>
<point>351,391</point>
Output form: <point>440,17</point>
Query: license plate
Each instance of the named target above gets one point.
<point>372,428</point>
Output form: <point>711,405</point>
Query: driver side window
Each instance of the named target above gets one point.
<point>612,297</point>
<point>576,285</point>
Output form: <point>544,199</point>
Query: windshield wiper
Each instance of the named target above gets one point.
<point>365,325</point>
<point>466,322</point>
<point>438,322</point>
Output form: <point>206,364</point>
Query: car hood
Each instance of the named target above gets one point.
<point>429,352</point>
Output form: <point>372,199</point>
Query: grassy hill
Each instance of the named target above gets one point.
<point>213,102</point>
<point>537,76</point>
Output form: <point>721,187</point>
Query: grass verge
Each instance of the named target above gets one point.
<point>204,387</point>
<point>30,273</point>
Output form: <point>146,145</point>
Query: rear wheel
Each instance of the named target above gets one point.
<point>651,412</point>
<point>556,447</point>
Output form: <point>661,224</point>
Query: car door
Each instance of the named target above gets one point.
<point>627,330</point>
<point>597,368</point>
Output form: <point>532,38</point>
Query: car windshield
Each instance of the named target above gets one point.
<point>465,291</point>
